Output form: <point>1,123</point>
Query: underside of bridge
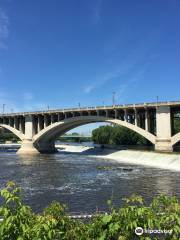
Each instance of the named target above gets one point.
<point>45,140</point>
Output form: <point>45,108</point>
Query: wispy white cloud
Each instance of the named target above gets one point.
<point>97,11</point>
<point>4,28</point>
<point>88,89</point>
<point>22,103</point>
<point>130,82</point>
<point>129,71</point>
<point>34,106</point>
<point>10,105</point>
<point>127,76</point>
<point>100,81</point>
<point>28,96</point>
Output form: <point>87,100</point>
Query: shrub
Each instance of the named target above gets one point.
<point>20,223</point>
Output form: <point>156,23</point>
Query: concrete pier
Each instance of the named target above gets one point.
<point>27,147</point>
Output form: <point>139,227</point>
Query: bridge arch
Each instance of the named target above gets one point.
<point>50,133</point>
<point>16,132</point>
<point>175,139</point>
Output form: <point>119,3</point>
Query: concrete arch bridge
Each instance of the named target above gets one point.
<point>39,130</point>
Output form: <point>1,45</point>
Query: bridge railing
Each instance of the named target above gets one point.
<point>62,110</point>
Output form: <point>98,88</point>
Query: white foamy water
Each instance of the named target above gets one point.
<point>72,148</point>
<point>170,161</point>
<point>152,159</point>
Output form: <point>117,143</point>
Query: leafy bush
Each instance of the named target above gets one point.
<point>20,223</point>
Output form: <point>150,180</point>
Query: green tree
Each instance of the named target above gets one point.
<point>176,125</point>
<point>117,135</point>
<point>75,134</point>
<point>102,134</point>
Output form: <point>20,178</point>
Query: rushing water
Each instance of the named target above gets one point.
<point>82,182</point>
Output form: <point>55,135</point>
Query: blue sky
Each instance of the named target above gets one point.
<point>60,53</point>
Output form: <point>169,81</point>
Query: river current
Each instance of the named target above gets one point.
<point>84,183</point>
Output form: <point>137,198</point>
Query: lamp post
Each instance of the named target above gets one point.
<point>113,98</point>
<point>157,99</point>
<point>3,108</point>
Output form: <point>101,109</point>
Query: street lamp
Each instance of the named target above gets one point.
<point>3,108</point>
<point>113,98</point>
<point>79,104</point>
<point>157,99</point>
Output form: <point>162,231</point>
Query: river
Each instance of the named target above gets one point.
<point>82,182</point>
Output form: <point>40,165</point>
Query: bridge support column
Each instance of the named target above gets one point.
<point>107,113</point>
<point>135,117</point>
<point>46,147</point>
<point>125,115</point>
<point>27,146</point>
<point>163,145</point>
<point>146,120</point>
<point>116,113</point>
<point>45,121</point>
<point>21,128</point>
<point>163,126</point>
<point>16,123</point>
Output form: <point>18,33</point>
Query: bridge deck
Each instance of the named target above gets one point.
<point>122,106</point>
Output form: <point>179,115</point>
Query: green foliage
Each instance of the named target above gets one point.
<point>75,138</point>
<point>117,135</point>
<point>176,125</point>
<point>75,134</point>
<point>102,134</point>
<point>8,136</point>
<point>18,218</point>
<point>20,223</point>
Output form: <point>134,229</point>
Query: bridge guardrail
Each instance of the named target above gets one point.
<point>91,108</point>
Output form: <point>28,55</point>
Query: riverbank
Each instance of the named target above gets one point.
<point>147,158</point>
